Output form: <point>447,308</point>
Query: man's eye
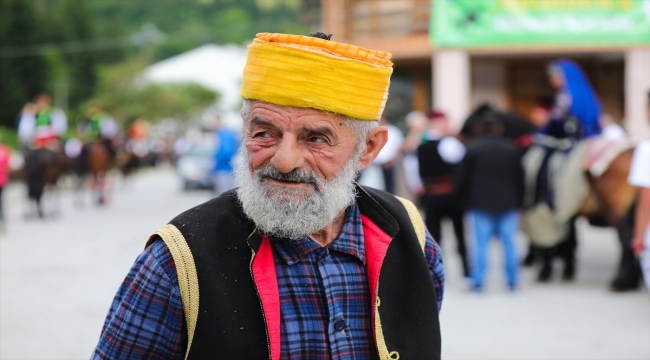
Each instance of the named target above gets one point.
<point>317,139</point>
<point>262,134</point>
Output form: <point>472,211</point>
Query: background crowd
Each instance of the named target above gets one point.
<point>521,137</point>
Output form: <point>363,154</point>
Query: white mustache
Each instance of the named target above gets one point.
<point>295,175</point>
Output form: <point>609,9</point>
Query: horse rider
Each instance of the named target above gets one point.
<point>98,127</point>
<point>299,261</point>
<point>40,129</point>
<point>41,125</point>
<point>563,125</point>
<point>576,109</point>
<point>572,117</point>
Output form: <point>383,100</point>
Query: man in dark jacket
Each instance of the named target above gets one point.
<point>490,178</point>
<point>438,157</point>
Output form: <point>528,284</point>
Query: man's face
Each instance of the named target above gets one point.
<point>43,101</point>
<point>299,167</point>
<point>304,140</point>
<point>441,125</point>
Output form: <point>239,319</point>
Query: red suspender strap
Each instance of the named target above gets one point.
<point>266,281</point>
<point>376,243</point>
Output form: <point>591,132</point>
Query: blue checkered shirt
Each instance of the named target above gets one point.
<point>324,301</point>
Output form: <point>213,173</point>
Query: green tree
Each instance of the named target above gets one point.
<point>21,78</point>
<point>76,25</point>
<point>186,24</point>
<point>127,100</point>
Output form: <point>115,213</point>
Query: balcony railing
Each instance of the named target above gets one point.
<point>386,18</point>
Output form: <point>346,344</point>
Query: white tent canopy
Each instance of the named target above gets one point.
<point>216,67</point>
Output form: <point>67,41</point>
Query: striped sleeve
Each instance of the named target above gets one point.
<point>145,320</point>
<point>436,266</point>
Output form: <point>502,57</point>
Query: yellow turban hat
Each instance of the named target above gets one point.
<point>310,72</point>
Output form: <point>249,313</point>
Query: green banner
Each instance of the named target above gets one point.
<point>486,23</point>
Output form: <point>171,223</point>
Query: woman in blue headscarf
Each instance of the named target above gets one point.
<point>576,109</point>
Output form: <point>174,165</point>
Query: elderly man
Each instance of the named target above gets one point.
<point>297,262</point>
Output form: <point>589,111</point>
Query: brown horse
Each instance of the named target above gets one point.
<point>43,167</point>
<point>98,162</point>
<point>609,203</point>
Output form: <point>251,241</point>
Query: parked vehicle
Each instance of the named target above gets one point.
<point>195,166</point>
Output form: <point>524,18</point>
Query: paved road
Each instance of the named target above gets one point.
<point>58,276</point>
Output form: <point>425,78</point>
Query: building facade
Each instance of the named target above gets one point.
<point>457,63</point>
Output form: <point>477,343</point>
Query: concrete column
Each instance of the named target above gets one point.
<point>637,85</point>
<point>451,85</point>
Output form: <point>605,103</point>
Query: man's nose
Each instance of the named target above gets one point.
<point>288,155</point>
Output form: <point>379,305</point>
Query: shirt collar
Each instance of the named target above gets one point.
<point>349,241</point>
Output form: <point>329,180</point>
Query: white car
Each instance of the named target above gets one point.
<point>196,165</point>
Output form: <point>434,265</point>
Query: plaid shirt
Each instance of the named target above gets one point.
<point>324,301</point>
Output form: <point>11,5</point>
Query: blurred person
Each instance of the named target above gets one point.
<point>572,118</point>
<point>137,143</point>
<point>389,154</point>
<point>328,268</point>
<point>576,109</point>
<point>181,146</point>
<point>541,112</point>
<point>73,147</point>
<point>417,123</point>
<point>40,129</point>
<point>437,158</point>
<point>539,116</point>
<point>5,154</point>
<point>136,147</point>
<point>640,177</point>
<point>41,125</point>
<point>611,129</point>
<point>227,145</point>
<point>490,179</point>
<point>98,127</point>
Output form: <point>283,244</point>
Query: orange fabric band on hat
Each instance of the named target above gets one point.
<point>305,71</point>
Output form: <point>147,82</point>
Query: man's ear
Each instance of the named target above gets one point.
<point>374,143</point>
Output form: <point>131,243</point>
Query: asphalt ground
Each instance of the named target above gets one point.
<point>59,275</point>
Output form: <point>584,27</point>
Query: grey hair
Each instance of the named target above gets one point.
<point>360,128</point>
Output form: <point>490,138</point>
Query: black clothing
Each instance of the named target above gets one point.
<point>440,199</point>
<point>437,207</point>
<point>223,243</point>
<point>491,177</point>
<point>432,166</point>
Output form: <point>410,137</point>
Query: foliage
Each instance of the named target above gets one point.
<point>204,21</point>
<point>74,77</point>
<point>20,78</point>
<point>9,137</point>
<point>127,100</point>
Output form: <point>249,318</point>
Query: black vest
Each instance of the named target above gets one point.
<point>432,166</point>
<point>230,322</point>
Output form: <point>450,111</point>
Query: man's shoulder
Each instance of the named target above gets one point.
<point>226,205</point>
<point>380,196</point>
<point>221,218</point>
<point>389,206</point>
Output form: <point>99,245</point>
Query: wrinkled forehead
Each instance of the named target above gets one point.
<point>289,116</point>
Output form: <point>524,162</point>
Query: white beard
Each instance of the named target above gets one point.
<point>294,213</point>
